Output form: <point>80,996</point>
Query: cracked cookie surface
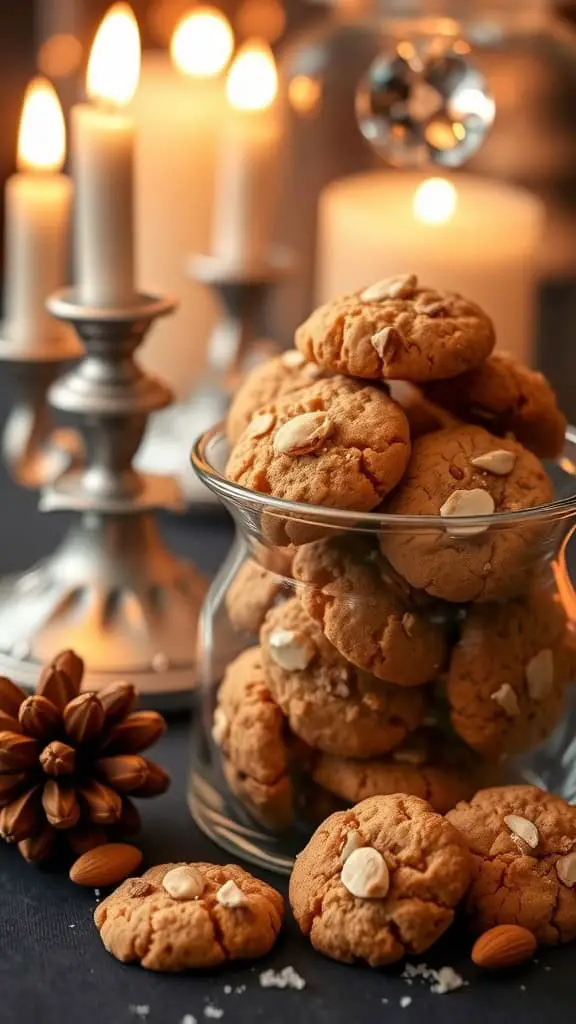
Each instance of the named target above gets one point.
<point>142,922</point>
<point>337,444</point>
<point>506,397</point>
<point>523,845</point>
<point>267,382</point>
<point>508,674</point>
<point>250,731</point>
<point>332,705</point>
<point>400,897</point>
<point>369,615</point>
<point>465,471</point>
<point>397,330</point>
<point>426,765</point>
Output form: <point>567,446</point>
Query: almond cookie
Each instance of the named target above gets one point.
<point>506,397</point>
<point>508,674</point>
<point>380,881</point>
<point>336,443</point>
<point>523,845</point>
<point>264,384</point>
<point>426,766</point>
<point>423,416</point>
<point>250,731</point>
<point>396,329</point>
<point>253,591</point>
<point>367,613</point>
<point>181,916</point>
<point>329,703</point>
<point>465,471</point>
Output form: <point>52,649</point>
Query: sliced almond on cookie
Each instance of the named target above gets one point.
<point>303,434</point>
<point>524,829</point>
<point>566,869</point>
<point>231,895</point>
<point>386,341</point>
<point>352,841</point>
<point>260,425</point>
<point>400,287</point>
<point>365,874</point>
<point>539,674</point>
<point>219,726</point>
<point>506,697</point>
<point>499,462</point>
<point>290,649</point>
<point>292,359</point>
<point>184,882</point>
<point>475,502</point>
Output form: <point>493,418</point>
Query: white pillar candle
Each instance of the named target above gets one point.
<point>247,178</point>
<point>102,160</point>
<point>37,217</point>
<point>178,109</point>
<point>466,234</point>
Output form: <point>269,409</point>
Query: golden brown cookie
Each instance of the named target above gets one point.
<point>266,383</point>
<point>508,674</point>
<point>337,443</point>
<point>181,916</point>
<point>506,397</point>
<point>329,703</point>
<point>523,845</point>
<point>426,765</point>
<point>465,471</point>
<point>423,416</point>
<point>250,731</point>
<point>397,330</point>
<point>379,881</point>
<point>367,613</point>
<point>253,591</point>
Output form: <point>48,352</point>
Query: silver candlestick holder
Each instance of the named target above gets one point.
<point>242,291</point>
<point>35,451</point>
<point>111,590</point>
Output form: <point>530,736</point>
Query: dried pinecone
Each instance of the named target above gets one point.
<point>68,761</point>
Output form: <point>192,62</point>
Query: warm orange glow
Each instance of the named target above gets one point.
<point>252,82</point>
<point>42,134</point>
<point>435,201</point>
<point>304,94</point>
<point>202,42</point>
<point>60,55</point>
<point>261,19</point>
<point>114,65</point>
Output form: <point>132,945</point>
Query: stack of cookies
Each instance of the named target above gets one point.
<point>407,654</point>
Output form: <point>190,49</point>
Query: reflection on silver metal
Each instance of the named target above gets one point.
<point>423,101</point>
<point>241,292</point>
<point>34,450</point>
<point>111,590</point>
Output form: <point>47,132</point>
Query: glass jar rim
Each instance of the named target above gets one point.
<point>243,497</point>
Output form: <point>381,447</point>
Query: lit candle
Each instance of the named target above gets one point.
<point>466,234</point>
<point>102,158</point>
<point>247,180</point>
<point>178,109</point>
<point>37,215</point>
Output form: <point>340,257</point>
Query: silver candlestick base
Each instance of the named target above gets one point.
<point>35,451</point>
<point>242,291</point>
<point>112,591</point>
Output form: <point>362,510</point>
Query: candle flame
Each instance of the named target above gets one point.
<point>252,82</point>
<point>202,42</point>
<point>42,133</point>
<point>434,201</point>
<point>114,65</point>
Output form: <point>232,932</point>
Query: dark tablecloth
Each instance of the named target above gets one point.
<point>53,967</point>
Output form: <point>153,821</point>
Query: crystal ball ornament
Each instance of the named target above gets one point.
<point>424,102</point>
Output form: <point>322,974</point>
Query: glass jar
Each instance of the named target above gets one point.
<point>326,676</point>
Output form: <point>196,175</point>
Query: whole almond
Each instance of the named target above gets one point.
<point>106,865</point>
<point>9,724</point>
<point>19,819</point>
<point>134,733</point>
<point>39,717</point>
<point>83,718</point>
<point>157,781</point>
<point>104,806</point>
<point>125,772</point>
<point>11,696</point>
<point>39,847</point>
<point>86,837</point>
<point>72,665</point>
<point>57,687</point>
<point>503,946</point>
<point>60,805</point>
<point>58,758</point>
<point>117,699</point>
<point>17,752</point>
<point>11,786</point>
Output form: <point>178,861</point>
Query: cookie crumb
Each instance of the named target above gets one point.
<point>286,978</point>
<point>227,990</point>
<point>213,1012</point>
<point>522,988</point>
<point>405,1001</point>
<point>188,1019</point>
<point>240,989</point>
<point>97,895</point>
<point>140,1010</point>
<point>442,981</point>
<point>71,925</point>
<point>385,1001</point>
